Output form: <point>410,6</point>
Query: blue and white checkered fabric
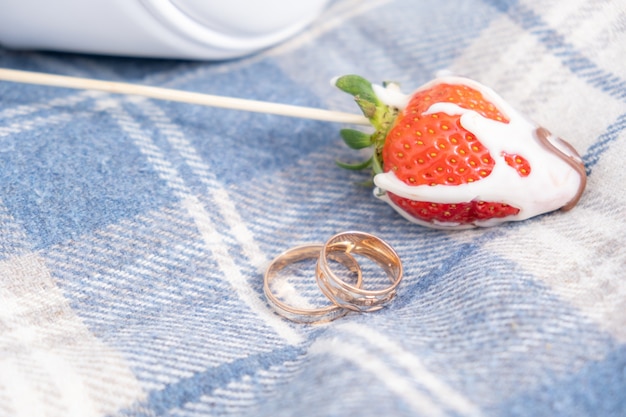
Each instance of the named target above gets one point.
<point>134,233</point>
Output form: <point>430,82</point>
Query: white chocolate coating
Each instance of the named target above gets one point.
<point>551,184</point>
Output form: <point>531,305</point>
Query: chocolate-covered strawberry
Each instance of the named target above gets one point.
<point>454,154</point>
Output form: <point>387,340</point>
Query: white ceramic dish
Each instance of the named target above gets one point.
<point>193,29</point>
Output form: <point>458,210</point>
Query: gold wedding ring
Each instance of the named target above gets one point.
<point>302,315</point>
<point>345,296</point>
<point>352,297</point>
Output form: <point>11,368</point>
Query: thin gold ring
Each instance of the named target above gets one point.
<point>301,315</point>
<point>352,297</point>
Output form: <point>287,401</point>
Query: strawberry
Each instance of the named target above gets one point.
<point>454,155</point>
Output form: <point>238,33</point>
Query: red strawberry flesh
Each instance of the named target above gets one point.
<point>434,149</point>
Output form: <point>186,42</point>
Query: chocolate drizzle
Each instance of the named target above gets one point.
<point>574,160</point>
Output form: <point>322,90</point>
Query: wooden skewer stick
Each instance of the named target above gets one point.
<point>181,96</point>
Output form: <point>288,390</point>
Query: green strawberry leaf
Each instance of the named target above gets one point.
<point>357,86</point>
<point>355,167</point>
<point>380,115</point>
<point>363,93</point>
<point>355,139</point>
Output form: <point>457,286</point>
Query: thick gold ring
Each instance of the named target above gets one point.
<point>352,297</point>
<point>298,253</point>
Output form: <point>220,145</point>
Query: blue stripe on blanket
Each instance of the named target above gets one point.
<point>595,151</point>
<point>556,43</point>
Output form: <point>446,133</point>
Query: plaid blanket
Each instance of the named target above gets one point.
<point>134,232</point>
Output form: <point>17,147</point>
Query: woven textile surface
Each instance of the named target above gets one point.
<point>134,233</point>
